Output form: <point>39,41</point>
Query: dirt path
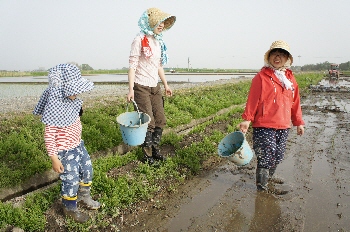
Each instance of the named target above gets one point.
<point>317,167</point>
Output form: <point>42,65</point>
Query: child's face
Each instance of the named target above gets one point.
<point>72,97</point>
<point>277,58</point>
<point>159,29</point>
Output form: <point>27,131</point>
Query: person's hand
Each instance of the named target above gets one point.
<point>300,130</point>
<point>130,95</point>
<point>56,164</point>
<point>168,91</point>
<point>243,126</point>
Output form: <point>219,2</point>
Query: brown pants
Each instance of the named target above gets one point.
<point>149,100</point>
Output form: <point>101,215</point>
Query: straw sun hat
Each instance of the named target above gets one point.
<point>156,16</point>
<point>278,44</point>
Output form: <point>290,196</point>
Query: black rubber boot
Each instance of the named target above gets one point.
<point>70,209</point>
<point>156,137</point>
<point>147,149</point>
<point>262,176</point>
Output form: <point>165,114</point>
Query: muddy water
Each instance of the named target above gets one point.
<point>341,83</point>
<point>202,201</point>
<point>323,191</point>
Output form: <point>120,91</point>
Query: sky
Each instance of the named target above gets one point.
<point>235,34</point>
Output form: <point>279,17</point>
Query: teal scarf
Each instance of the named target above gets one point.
<point>147,30</point>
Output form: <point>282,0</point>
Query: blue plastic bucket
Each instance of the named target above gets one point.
<point>133,126</point>
<point>235,148</point>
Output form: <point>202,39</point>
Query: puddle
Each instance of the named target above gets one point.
<point>333,104</point>
<point>332,85</point>
<point>329,102</point>
<point>266,204</point>
<point>200,203</point>
<point>230,202</point>
<point>335,83</point>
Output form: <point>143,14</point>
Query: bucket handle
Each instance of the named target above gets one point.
<point>127,109</point>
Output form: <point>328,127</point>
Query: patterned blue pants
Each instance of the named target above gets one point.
<point>77,169</point>
<point>269,146</point>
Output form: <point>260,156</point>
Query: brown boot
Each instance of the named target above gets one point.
<point>70,209</point>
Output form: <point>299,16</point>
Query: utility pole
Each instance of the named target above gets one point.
<point>188,64</point>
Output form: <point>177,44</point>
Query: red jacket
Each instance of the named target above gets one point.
<point>271,105</point>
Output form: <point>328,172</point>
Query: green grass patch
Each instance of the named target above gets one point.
<point>306,79</point>
<point>29,216</point>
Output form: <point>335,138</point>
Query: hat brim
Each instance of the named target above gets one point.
<point>156,16</point>
<point>79,86</point>
<point>169,22</point>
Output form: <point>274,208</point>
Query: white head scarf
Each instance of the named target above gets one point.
<point>281,75</point>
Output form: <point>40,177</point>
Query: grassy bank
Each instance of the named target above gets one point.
<point>22,153</point>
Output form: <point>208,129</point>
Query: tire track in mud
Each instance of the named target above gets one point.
<point>319,203</point>
<point>297,169</point>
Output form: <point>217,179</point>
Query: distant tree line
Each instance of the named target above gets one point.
<point>83,67</point>
<point>325,66</point>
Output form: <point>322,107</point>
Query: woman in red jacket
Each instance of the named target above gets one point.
<point>273,106</point>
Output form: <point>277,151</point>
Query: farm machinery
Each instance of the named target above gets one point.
<point>334,71</point>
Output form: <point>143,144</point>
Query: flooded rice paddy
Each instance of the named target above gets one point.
<point>22,93</point>
<point>117,78</point>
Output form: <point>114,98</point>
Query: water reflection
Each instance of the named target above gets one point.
<point>267,215</point>
<point>333,82</point>
<point>16,91</point>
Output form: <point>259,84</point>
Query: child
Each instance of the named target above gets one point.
<point>273,103</point>
<point>147,57</point>
<point>61,111</point>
